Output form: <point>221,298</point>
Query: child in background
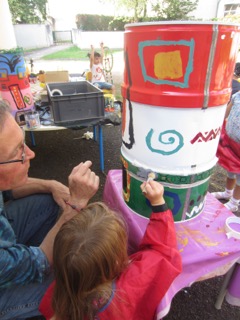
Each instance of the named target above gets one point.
<point>236,76</point>
<point>229,154</point>
<point>96,67</point>
<point>96,279</point>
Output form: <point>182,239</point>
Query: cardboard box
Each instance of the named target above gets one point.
<point>56,76</point>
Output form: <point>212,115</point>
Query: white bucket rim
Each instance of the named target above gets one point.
<point>176,171</point>
<point>180,22</point>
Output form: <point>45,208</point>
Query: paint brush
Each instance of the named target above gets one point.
<point>151,176</point>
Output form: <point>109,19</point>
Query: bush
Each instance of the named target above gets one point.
<point>118,23</point>
<point>93,22</point>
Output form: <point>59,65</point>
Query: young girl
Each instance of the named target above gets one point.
<point>96,67</point>
<point>229,154</point>
<point>95,278</point>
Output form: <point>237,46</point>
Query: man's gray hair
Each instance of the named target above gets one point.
<point>4,110</point>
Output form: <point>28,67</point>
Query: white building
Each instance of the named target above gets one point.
<point>209,9</point>
<point>64,13</point>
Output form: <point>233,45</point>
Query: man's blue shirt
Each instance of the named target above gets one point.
<point>19,264</point>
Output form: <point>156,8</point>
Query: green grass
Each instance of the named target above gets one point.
<point>72,53</point>
<point>69,53</point>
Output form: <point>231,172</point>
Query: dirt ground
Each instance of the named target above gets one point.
<point>57,152</point>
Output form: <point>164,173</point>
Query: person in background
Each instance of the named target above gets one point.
<point>228,153</point>
<point>236,76</point>
<point>30,220</point>
<point>96,67</point>
<point>95,277</point>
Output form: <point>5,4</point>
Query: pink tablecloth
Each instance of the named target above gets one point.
<point>206,251</point>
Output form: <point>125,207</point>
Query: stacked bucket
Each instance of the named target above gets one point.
<point>14,85</point>
<point>177,83</point>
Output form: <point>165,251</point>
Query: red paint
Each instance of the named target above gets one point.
<point>167,95</point>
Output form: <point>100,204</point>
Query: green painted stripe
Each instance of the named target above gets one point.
<point>142,173</point>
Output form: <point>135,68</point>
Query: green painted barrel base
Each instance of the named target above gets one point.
<point>185,203</point>
<point>184,194</point>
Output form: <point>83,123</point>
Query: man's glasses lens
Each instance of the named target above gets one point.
<point>23,147</point>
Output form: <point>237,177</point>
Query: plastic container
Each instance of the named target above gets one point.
<point>32,120</point>
<point>75,102</point>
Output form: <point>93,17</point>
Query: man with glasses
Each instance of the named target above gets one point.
<point>29,220</point>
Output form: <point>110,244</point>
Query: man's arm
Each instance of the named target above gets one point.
<point>83,184</point>
<point>20,264</point>
<point>59,191</point>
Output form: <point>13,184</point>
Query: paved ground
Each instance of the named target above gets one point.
<point>39,53</point>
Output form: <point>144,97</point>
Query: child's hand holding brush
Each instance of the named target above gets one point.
<point>153,190</point>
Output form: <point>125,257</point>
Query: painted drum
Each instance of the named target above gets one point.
<point>14,85</point>
<point>175,140</point>
<point>177,82</point>
<point>180,64</point>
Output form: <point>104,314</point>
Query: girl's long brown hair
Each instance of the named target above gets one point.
<point>90,251</point>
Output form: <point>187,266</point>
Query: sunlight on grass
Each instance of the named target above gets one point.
<point>72,53</point>
<point>69,53</point>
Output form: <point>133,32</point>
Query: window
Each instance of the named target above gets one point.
<point>231,9</point>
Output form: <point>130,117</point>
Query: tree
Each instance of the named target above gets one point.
<point>93,22</point>
<point>28,11</point>
<point>174,9</point>
<point>137,7</point>
<point>233,18</point>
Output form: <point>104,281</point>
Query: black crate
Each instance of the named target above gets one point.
<point>75,102</point>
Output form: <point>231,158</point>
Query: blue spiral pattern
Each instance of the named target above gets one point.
<point>176,140</point>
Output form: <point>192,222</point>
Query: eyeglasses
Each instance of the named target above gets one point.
<point>23,147</point>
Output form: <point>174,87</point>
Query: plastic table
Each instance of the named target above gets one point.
<point>97,135</point>
<point>205,249</point>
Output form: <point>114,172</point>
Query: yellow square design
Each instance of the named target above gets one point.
<point>168,65</point>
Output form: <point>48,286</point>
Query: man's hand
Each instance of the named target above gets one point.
<point>83,184</point>
<point>60,193</point>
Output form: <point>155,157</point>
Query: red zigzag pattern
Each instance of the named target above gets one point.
<point>207,136</point>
